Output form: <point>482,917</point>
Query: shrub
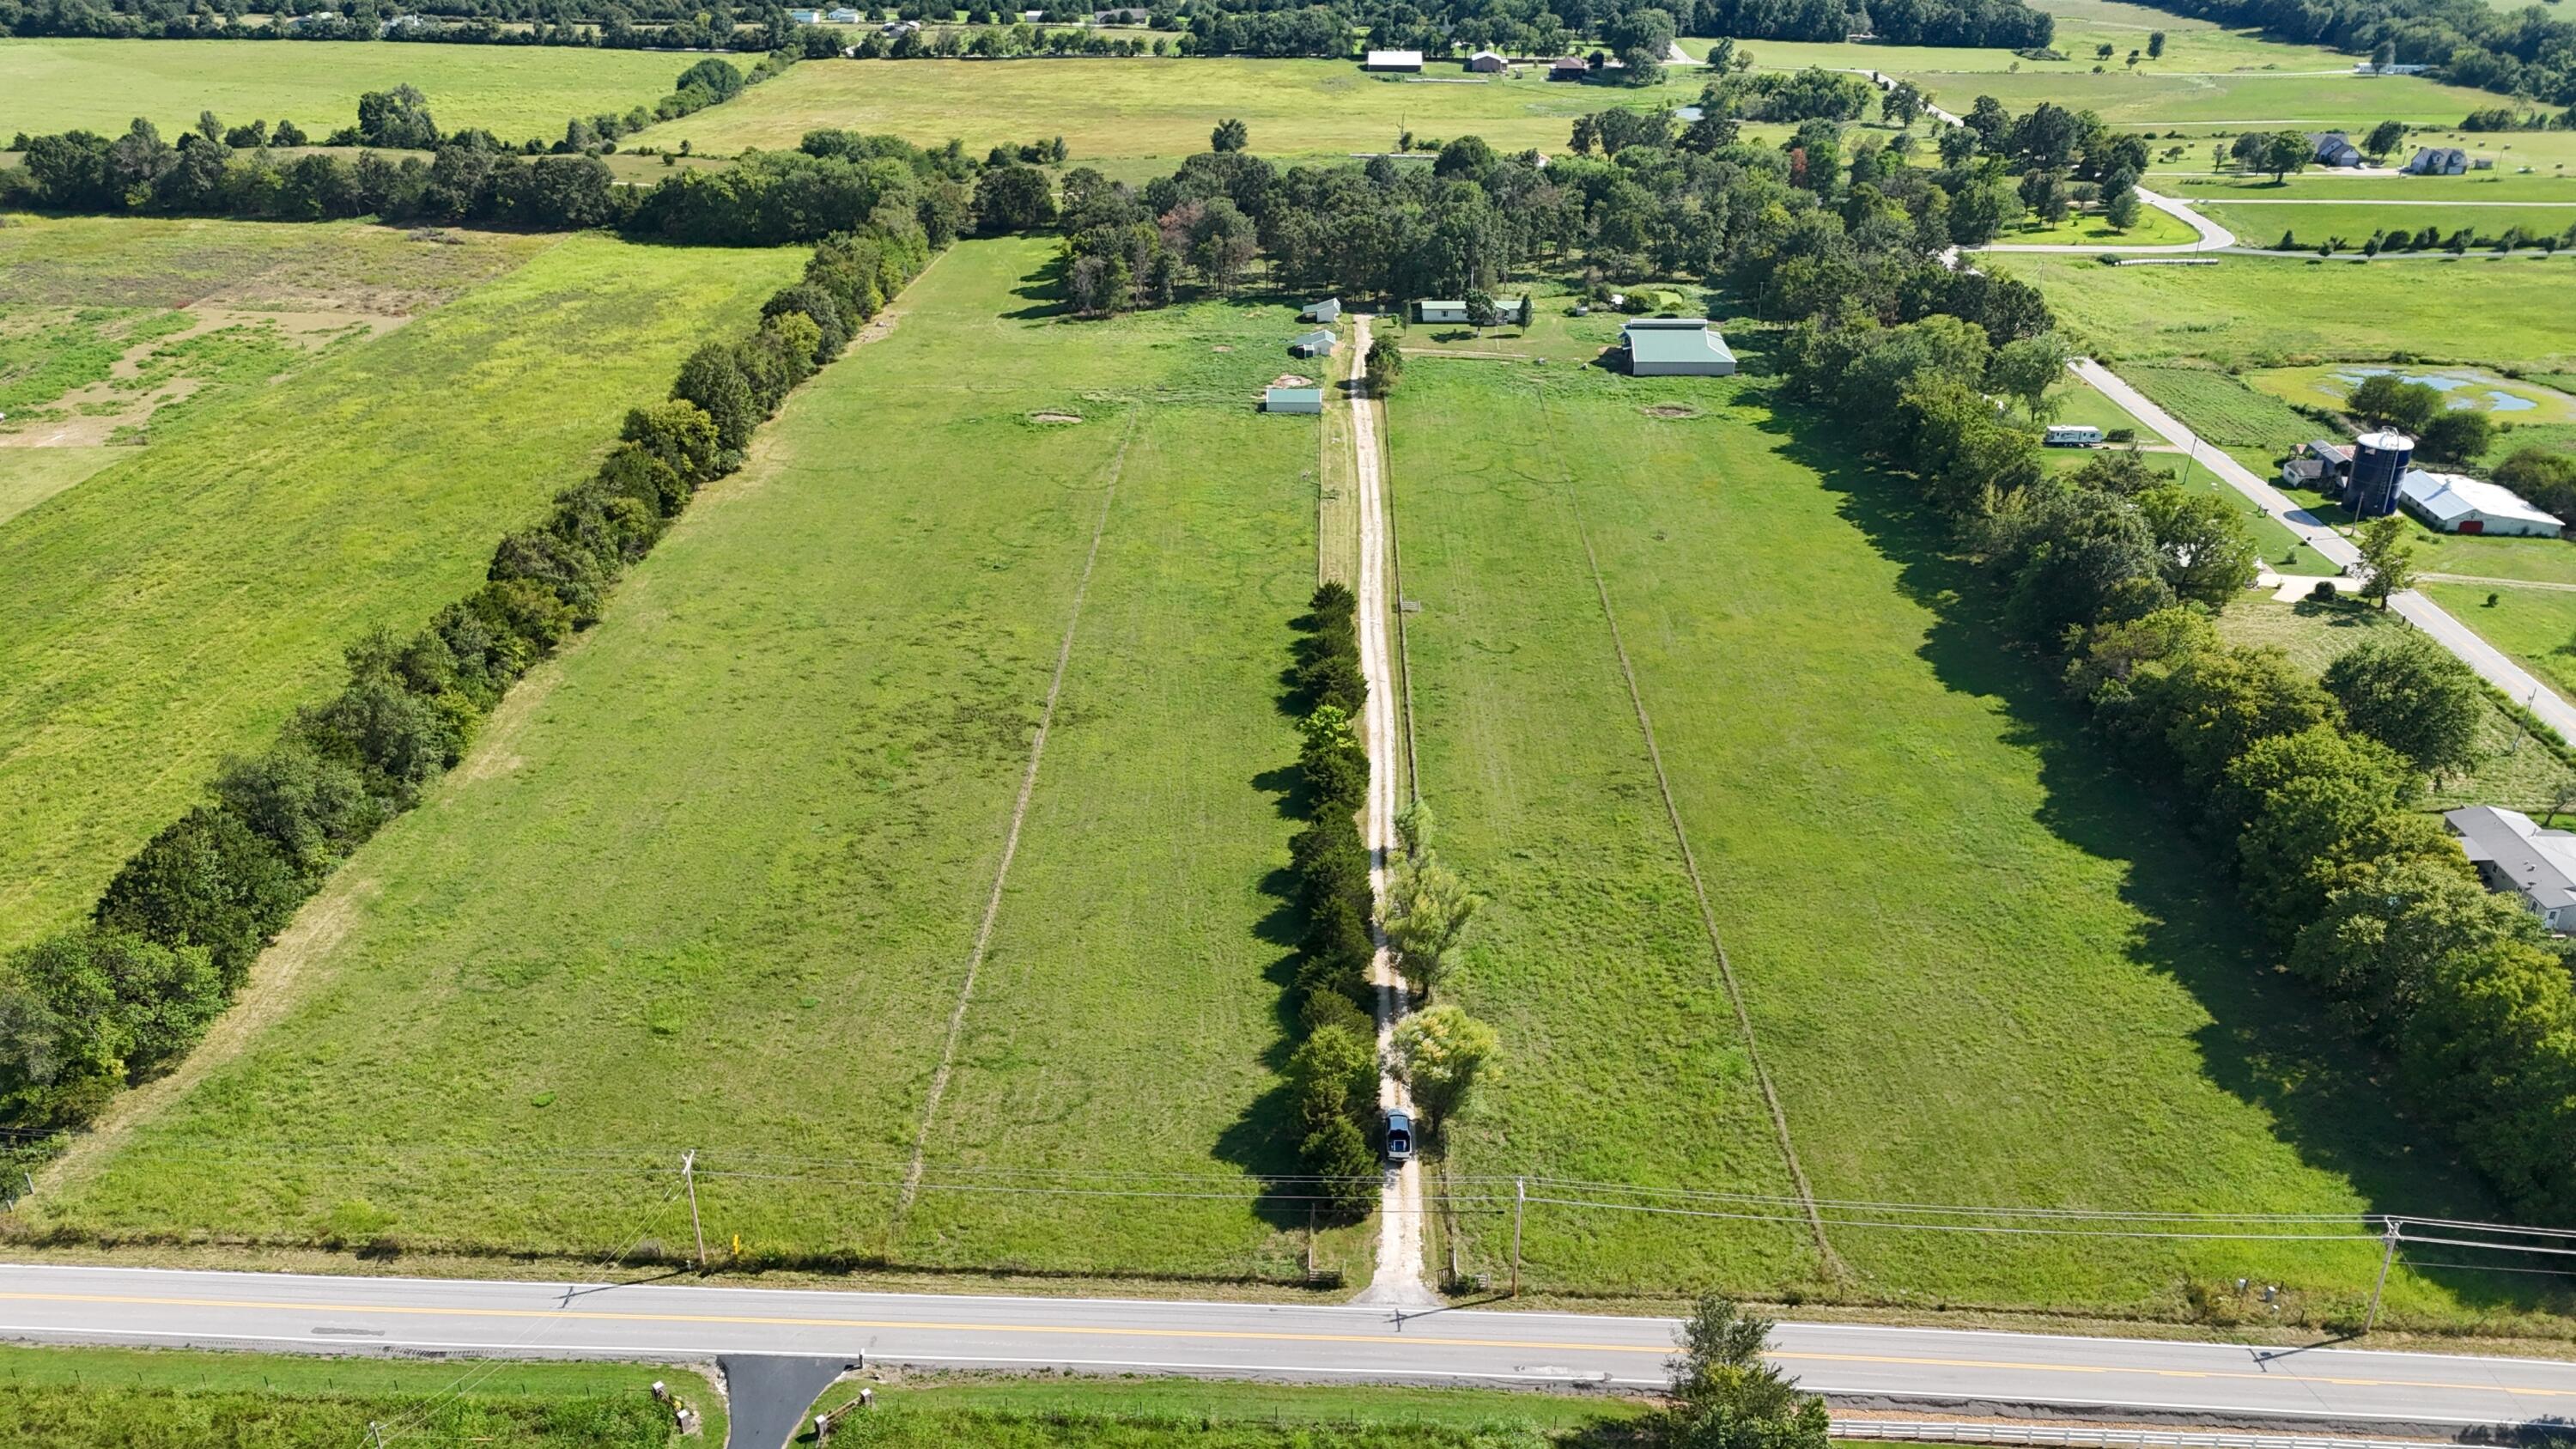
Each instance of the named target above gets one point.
<point>209,881</point>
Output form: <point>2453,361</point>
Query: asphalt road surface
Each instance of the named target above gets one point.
<point>2311,1387</point>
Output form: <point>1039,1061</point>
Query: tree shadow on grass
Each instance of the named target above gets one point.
<point>1259,1141</point>
<point>2269,1042</point>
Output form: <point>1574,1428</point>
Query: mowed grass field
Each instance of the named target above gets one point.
<point>2263,310</point>
<point>1144,109</point>
<point>1979,969</point>
<point>2351,223</point>
<point>110,1398</point>
<point>513,91</point>
<point>716,878</point>
<point>178,605</point>
<point>2236,100</point>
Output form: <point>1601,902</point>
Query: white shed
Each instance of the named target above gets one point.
<point>2454,503</point>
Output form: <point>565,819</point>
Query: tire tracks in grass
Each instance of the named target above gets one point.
<point>1010,844</point>
<point>1831,1262</point>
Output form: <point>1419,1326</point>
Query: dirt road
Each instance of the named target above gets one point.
<point>1399,1245</point>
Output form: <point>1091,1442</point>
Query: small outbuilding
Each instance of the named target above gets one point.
<point>1488,62</point>
<point>1293,400</point>
<point>1675,347</point>
<point>2321,465</point>
<point>842,16</point>
<point>1318,343</point>
<point>1440,311</point>
<point>1323,311</point>
<point>1393,60</point>
<point>1569,68</point>
<point>2455,503</point>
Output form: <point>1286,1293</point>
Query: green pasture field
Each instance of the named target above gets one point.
<point>2264,311</point>
<point>95,1398</point>
<point>1162,110</point>
<point>2089,228</point>
<point>2475,189</point>
<point>2355,222</point>
<point>177,605</point>
<point>29,476</point>
<point>513,91</point>
<point>1155,1401</point>
<point>2536,626</point>
<point>1980,970</point>
<point>2242,100</point>
<point>714,879</point>
<point>2191,47</point>
<point>2219,408</point>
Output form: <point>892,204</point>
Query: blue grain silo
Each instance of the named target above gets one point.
<point>2379,461</point>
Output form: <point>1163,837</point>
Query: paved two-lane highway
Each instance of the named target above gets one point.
<point>2315,1387</point>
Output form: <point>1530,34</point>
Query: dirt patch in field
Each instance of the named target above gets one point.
<point>1222,347</point>
<point>1290,379</point>
<point>1055,417</point>
<point>97,412</point>
<point>1671,410</point>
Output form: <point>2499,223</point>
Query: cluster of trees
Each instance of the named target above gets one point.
<point>1438,1051</point>
<point>1333,1071</point>
<point>1792,226</point>
<point>835,182</point>
<point>89,1012</point>
<point>2544,477</point>
<point>2441,432</point>
<point>2432,238</point>
<point>2524,52</point>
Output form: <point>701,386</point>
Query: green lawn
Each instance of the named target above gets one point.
<point>108,1398</point>
<point>2085,228</point>
<point>1162,110</point>
<point>513,91</point>
<point>1980,969</point>
<point>715,878</point>
<point>1169,1401</point>
<point>177,605</point>
<point>2536,626</point>
<point>29,476</point>
<point>2475,189</point>
<point>2353,223</point>
<point>2256,311</point>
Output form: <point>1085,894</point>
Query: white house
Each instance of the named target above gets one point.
<point>1393,60</point>
<point>1675,347</point>
<point>1323,311</point>
<point>2453,503</point>
<point>2438,161</point>
<point>2363,67</point>
<point>2512,853</point>
<point>1447,311</point>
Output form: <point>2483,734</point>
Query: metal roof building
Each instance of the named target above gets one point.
<point>1676,347</point>
<point>2512,853</point>
<point>2457,504</point>
<point>1393,60</point>
<point>1323,311</point>
<point>1318,343</point>
<point>1293,400</point>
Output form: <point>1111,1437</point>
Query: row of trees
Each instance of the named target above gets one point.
<point>612,24</point>
<point>835,182</point>
<point>1334,1070</point>
<point>2310,792</point>
<point>2520,52</point>
<point>91,1011</point>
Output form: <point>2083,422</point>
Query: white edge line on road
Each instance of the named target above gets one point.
<point>1337,1309</point>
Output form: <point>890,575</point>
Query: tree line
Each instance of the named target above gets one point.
<point>2519,52</point>
<point>609,26</point>
<point>835,182</point>
<point>2309,792</point>
<point>121,998</point>
<point>1439,1052</point>
<point>1791,226</point>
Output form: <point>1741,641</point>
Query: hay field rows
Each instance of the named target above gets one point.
<point>1976,971</point>
<point>176,605</point>
<point>515,92</point>
<point>714,879</point>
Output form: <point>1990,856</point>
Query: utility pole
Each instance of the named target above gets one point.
<point>2385,1259</point>
<point>688,1175</point>
<point>1520,1201</point>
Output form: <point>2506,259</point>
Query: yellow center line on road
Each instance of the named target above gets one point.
<point>1416,1340</point>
